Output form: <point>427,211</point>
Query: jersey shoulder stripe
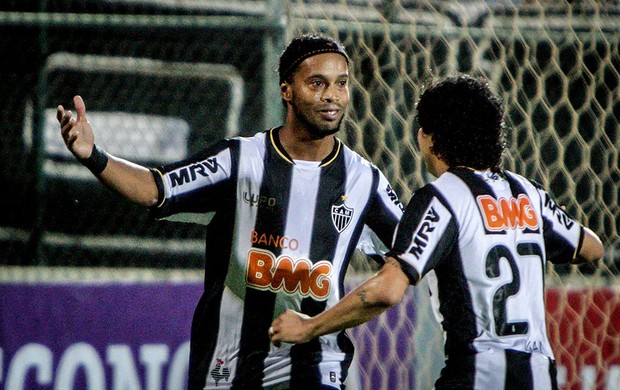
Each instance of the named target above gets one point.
<point>562,233</point>
<point>425,234</point>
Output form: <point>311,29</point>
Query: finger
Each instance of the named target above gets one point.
<point>66,116</point>
<point>80,108</point>
<point>66,125</point>
<point>274,338</point>
<point>70,133</point>
<point>71,136</point>
<point>60,111</point>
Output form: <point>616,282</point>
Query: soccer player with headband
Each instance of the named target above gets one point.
<point>284,211</point>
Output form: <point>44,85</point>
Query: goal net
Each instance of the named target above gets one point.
<point>557,67</point>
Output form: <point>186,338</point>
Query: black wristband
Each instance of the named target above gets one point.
<point>97,161</point>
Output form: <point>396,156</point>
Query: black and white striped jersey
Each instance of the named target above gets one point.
<point>280,235</point>
<point>483,239</point>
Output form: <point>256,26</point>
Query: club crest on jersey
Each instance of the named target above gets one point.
<point>341,216</point>
<point>220,372</point>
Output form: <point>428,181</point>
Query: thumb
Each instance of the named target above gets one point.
<point>80,108</point>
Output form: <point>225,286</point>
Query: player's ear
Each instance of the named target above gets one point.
<point>285,91</point>
<point>422,136</point>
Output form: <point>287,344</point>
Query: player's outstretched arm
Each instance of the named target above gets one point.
<point>591,248</point>
<point>373,297</point>
<point>130,180</point>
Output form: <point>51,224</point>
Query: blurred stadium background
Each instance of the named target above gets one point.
<point>162,78</point>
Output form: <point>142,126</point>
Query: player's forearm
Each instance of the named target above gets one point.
<point>373,297</point>
<point>353,310</point>
<point>132,181</point>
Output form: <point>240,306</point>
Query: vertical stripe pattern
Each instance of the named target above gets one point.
<point>519,376</point>
<point>306,358</point>
<point>205,327</point>
<point>281,238</point>
<point>254,344</point>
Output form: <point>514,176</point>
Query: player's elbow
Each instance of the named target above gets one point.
<point>390,297</point>
<point>597,254</point>
<point>390,286</point>
<point>591,249</point>
<point>591,255</point>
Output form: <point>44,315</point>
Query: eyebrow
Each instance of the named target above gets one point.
<point>321,75</point>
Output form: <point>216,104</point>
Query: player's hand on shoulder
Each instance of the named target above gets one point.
<point>76,132</point>
<point>290,327</point>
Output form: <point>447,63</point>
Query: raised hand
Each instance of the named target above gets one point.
<point>76,132</point>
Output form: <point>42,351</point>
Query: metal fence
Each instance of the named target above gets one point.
<point>196,71</point>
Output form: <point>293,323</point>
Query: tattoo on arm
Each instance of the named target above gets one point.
<point>363,296</point>
<point>364,290</point>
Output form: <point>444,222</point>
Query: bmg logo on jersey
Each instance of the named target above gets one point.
<point>507,213</point>
<point>301,276</point>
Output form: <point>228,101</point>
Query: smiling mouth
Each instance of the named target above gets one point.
<point>330,114</point>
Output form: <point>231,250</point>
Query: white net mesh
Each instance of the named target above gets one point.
<point>557,66</point>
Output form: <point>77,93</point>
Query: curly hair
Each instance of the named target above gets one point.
<point>465,120</point>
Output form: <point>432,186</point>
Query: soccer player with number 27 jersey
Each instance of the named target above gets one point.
<point>481,236</point>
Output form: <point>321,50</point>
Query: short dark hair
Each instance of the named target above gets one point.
<point>304,46</point>
<point>465,120</point>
